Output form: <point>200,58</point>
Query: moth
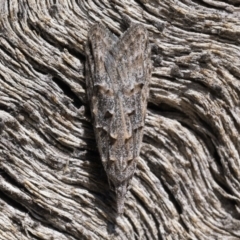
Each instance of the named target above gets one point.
<point>118,71</point>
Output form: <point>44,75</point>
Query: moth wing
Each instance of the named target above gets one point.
<point>133,54</point>
<point>98,83</point>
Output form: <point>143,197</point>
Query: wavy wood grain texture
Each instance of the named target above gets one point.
<point>187,182</point>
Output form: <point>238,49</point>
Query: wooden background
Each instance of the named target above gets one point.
<point>187,183</point>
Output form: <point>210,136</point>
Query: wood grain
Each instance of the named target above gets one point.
<point>52,182</point>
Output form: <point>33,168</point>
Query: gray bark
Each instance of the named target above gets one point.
<point>187,182</point>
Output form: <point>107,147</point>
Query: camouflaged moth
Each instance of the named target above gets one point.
<point>118,71</point>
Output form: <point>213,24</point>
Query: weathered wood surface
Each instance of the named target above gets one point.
<point>52,183</point>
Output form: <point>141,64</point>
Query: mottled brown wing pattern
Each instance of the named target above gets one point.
<point>117,76</point>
